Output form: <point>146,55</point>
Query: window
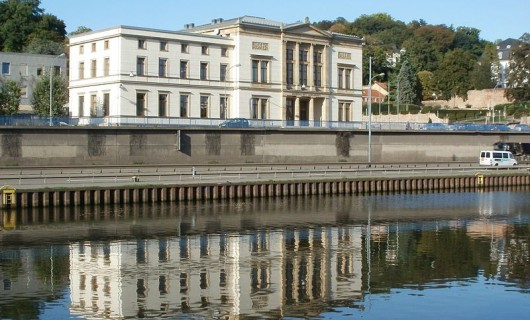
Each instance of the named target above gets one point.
<point>223,103</point>
<point>317,57</point>
<point>303,55</point>
<point>224,52</point>
<point>106,66</point>
<point>93,68</point>
<point>40,71</point>
<point>290,73</point>
<point>106,44</point>
<point>183,69</point>
<point>289,54</point>
<point>81,70</point>
<point>258,108</point>
<point>184,102</point>
<point>344,111</point>
<point>204,49</point>
<point>81,49</point>
<point>260,71</point>
<point>142,44</point>
<point>163,45</point>
<point>317,76</point>
<point>23,69</point>
<point>106,104</point>
<point>204,106</point>
<point>140,66</point>
<point>81,102</point>
<point>303,74</point>
<point>6,68</point>
<point>204,71</point>
<point>162,104</point>
<point>223,69</point>
<point>162,67</point>
<point>345,80</point>
<point>140,104</point>
<point>184,48</point>
<point>93,105</point>
<point>94,47</point>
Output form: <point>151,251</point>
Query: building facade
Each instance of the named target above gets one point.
<point>247,67</point>
<point>26,68</point>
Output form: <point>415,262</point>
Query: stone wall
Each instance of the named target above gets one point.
<point>121,146</point>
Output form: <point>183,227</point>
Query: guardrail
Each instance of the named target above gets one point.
<point>168,122</point>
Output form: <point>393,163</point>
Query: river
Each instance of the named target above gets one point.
<point>458,255</point>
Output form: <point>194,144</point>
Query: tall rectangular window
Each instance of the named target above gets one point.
<point>106,104</point>
<point>93,65</point>
<point>264,71</point>
<point>183,69</point>
<point>289,54</point>
<point>93,47</point>
<point>290,73</point>
<point>81,103</point>
<point>140,66</point>
<point>81,70</point>
<point>345,77</point>
<point>204,106</point>
<point>81,49</point>
<point>184,48</point>
<point>223,103</point>
<point>222,72</point>
<point>141,104</point>
<point>317,76</point>
<point>204,49</point>
<point>106,66</point>
<point>204,71</point>
<point>142,44</point>
<point>163,45</point>
<point>6,68</point>
<point>184,101</point>
<point>162,67</point>
<point>162,104</point>
<point>340,79</point>
<point>259,108</point>
<point>106,44</point>
<point>93,105</point>
<point>255,70</point>
<point>224,52</point>
<point>303,74</point>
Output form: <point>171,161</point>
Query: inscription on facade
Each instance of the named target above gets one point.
<point>260,46</point>
<point>345,55</point>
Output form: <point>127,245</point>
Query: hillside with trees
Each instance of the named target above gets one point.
<point>432,61</point>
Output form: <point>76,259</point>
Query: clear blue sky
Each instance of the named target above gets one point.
<point>495,19</point>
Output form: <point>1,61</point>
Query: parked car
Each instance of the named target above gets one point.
<point>235,123</point>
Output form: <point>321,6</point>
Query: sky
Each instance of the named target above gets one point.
<point>495,19</point>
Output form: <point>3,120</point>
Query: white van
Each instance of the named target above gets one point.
<point>497,158</point>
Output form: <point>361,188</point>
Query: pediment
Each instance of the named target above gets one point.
<point>307,31</point>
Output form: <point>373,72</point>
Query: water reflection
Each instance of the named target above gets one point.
<point>266,258</point>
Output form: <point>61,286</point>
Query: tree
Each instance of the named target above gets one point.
<point>427,85</point>
<point>23,20</point>
<point>453,75</point>
<point>408,85</point>
<point>83,29</point>
<point>41,96</point>
<point>519,74</point>
<point>486,69</point>
<point>9,97</point>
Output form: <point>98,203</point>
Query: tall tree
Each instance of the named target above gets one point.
<point>9,97</point>
<point>408,85</point>
<point>41,96</point>
<point>519,75</point>
<point>485,72</point>
<point>23,20</point>
<point>453,75</point>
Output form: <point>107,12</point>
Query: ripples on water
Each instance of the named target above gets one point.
<point>438,255</point>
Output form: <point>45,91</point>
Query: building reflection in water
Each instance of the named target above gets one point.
<point>260,258</point>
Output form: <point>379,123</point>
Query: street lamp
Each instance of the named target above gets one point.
<point>370,110</point>
<point>226,83</point>
<point>51,85</point>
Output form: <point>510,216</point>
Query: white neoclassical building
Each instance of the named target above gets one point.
<point>246,67</point>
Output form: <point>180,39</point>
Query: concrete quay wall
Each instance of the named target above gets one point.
<point>199,192</point>
<point>65,146</point>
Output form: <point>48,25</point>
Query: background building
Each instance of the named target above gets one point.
<point>240,68</point>
<point>25,68</point>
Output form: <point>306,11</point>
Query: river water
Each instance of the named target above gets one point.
<point>462,255</point>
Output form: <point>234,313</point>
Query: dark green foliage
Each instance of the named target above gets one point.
<point>41,96</point>
<point>23,22</point>
<point>518,80</point>
<point>9,97</point>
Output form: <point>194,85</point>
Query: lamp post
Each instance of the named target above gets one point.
<point>226,83</point>
<point>370,110</point>
<point>51,86</point>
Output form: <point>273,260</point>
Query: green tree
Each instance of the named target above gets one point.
<point>41,96</point>
<point>483,75</point>
<point>517,80</point>
<point>23,20</point>
<point>9,97</point>
<point>427,84</point>
<point>408,85</point>
<point>83,29</point>
<point>425,49</point>
<point>469,40</point>
<point>452,78</point>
